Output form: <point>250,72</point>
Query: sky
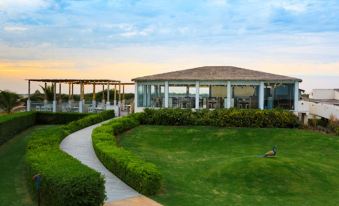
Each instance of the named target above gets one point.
<point>123,39</point>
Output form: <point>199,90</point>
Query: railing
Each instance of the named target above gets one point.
<point>319,109</point>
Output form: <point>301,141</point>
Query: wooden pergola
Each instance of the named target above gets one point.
<point>119,91</point>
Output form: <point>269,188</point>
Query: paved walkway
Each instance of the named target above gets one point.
<point>79,145</point>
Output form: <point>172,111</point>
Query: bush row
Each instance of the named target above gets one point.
<point>221,118</point>
<point>12,124</point>
<point>58,117</point>
<point>65,181</point>
<point>140,175</point>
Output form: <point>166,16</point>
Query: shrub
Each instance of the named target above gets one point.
<point>12,124</point>
<point>65,181</point>
<point>221,118</point>
<point>59,117</point>
<point>142,176</point>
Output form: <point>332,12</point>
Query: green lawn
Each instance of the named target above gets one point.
<point>13,188</point>
<point>220,166</point>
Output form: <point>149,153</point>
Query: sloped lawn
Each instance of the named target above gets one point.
<point>13,187</point>
<point>221,166</point>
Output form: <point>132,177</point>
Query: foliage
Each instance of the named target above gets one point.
<point>205,166</point>
<point>58,117</point>
<point>65,180</point>
<point>8,100</point>
<point>221,118</point>
<point>48,91</point>
<point>142,176</point>
<point>12,124</point>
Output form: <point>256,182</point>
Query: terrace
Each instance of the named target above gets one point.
<point>213,87</point>
<point>58,104</point>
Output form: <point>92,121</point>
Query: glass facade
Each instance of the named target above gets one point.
<point>151,95</point>
<point>245,96</point>
<point>181,96</point>
<point>276,95</point>
<point>279,96</point>
<point>212,96</point>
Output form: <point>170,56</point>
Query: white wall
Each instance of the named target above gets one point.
<point>322,94</point>
<point>319,109</point>
<point>336,95</point>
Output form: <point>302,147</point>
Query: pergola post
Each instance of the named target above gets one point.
<point>60,99</point>
<point>197,94</point>
<point>296,96</point>
<point>103,94</point>
<point>94,103</point>
<point>81,102</point>
<point>107,102</point>
<point>46,100</point>
<point>115,95</point>
<point>54,97</point>
<point>29,97</point>
<point>166,94</point>
<point>70,92</point>
<point>261,95</point>
<point>229,95</point>
<point>123,96</point>
<point>119,95</point>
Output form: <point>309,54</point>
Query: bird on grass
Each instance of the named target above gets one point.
<point>271,153</point>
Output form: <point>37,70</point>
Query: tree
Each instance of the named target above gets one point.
<point>8,100</point>
<point>49,92</point>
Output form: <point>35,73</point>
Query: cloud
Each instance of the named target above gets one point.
<point>21,6</point>
<point>15,28</point>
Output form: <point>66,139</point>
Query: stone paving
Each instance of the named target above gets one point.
<point>79,145</point>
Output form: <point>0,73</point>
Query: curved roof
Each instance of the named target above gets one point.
<point>216,73</point>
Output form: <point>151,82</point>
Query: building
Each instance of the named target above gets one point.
<point>214,87</point>
<point>326,96</point>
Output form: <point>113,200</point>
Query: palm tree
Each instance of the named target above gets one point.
<point>8,100</point>
<point>49,92</point>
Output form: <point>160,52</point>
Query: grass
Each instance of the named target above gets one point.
<point>13,188</point>
<point>220,166</point>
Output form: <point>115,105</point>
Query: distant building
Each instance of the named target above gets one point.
<point>326,96</point>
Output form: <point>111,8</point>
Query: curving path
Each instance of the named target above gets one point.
<point>79,145</point>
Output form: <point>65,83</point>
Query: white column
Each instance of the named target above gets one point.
<point>29,97</point>
<point>197,94</point>
<point>261,95</point>
<point>296,96</point>
<point>54,97</point>
<point>135,95</point>
<point>60,99</point>
<point>107,102</point>
<point>166,94</point>
<point>70,88</point>
<point>229,95</point>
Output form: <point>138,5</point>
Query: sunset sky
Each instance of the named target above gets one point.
<point>122,39</point>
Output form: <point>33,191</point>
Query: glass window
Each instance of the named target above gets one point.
<point>246,97</point>
<point>278,95</point>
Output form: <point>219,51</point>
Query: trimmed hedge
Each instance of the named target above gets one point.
<point>12,124</point>
<point>221,118</point>
<point>65,181</point>
<point>142,176</point>
<point>58,117</point>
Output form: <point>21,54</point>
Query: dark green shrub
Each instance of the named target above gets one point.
<point>221,118</point>
<point>142,176</point>
<point>59,117</point>
<point>65,181</point>
<point>12,124</point>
